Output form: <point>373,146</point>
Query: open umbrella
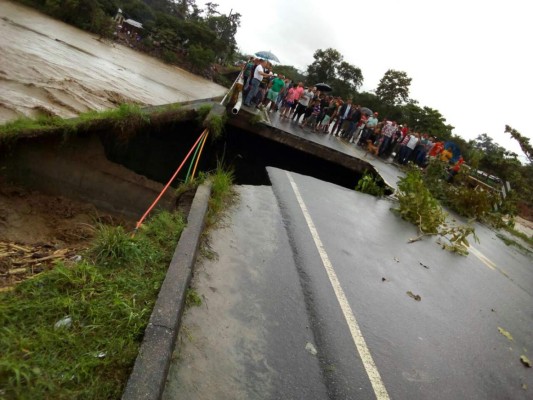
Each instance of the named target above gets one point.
<point>366,110</point>
<point>454,149</point>
<point>323,87</point>
<point>267,55</point>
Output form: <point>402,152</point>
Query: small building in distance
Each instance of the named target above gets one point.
<point>128,26</point>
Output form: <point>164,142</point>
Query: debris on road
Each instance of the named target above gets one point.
<point>525,361</point>
<point>425,266</point>
<point>396,259</point>
<point>414,296</point>
<point>311,349</point>
<point>383,279</point>
<point>505,333</point>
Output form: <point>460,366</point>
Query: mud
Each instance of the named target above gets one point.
<point>48,67</point>
<point>37,230</point>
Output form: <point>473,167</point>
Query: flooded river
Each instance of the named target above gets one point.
<point>49,67</point>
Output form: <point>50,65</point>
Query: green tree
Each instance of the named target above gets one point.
<point>200,57</point>
<point>225,28</point>
<point>329,67</point>
<point>522,141</point>
<point>290,72</point>
<point>393,88</point>
<point>138,10</point>
<point>425,120</point>
<point>349,75</point>
<point>369,100</point>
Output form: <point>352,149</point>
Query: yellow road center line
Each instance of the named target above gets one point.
<point>486,261</point>
<point>357,336</point>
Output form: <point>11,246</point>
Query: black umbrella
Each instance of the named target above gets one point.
<point>323,87</point>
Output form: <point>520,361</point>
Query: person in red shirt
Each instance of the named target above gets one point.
<point>455,169</point>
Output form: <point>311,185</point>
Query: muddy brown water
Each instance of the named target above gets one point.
<point>48,67</point>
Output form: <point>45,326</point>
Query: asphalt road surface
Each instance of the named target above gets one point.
<point>308,266</point>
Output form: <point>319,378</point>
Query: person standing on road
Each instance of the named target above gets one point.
<point>258,76</point>
<point>303,103</point>
<point>369,128</point>
<point>386,136</point>
<point>247,71</point>
<point>344,113</point>
<point>272,95</point>
<point>289,100</point>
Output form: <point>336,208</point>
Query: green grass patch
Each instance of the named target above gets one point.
<point>126,119</point>
<point>222,193</point>
<point>203,111</point>
<point>192,298</point>
<point>215,124</point>
<point>75,331</point>
<point>511,242</point>
<point>521,235</point>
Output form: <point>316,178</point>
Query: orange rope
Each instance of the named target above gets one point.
<point>170,181</point>
<point>199,155</point>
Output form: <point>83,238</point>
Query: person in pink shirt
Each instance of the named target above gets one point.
<point>292,96</point>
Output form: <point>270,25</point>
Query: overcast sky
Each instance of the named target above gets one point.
<point>470,60</point>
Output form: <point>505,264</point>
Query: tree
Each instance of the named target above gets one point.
<point>496,160</point>
<point>425,120</point>
<point>290,72</point>
<point>201,58</point>
<point>393,89</point>
<point>225,28</point>
<point>522,141</point>
<point>329,67</point>
<point>350,75</point>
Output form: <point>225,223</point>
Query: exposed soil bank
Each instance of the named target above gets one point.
<point>53,193</point>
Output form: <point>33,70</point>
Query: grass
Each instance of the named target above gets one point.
<point>222,194</point>
<point>521,235</point>
<point>527,239</point>
<point>203,111</point>
<point>192,298</point>
<point>108,297</point>
<point>126,119</point>
<point>215,124</point>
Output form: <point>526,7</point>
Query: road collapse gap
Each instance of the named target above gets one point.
<point>156,151</point>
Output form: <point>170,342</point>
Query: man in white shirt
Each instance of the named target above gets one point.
<point>259,73</point>
<point>303,103</point>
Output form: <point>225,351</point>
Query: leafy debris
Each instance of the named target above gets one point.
<point>414,296</point>
<point>525,361</point>
<point>505,333</point>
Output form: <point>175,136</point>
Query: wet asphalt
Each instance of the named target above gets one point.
<point>445,346</point>
<point>432,322</point>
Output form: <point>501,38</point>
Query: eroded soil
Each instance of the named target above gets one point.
<point>37,230</point>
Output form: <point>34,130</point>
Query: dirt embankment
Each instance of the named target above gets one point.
<point>36,230</point>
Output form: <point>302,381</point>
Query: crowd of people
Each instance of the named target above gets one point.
<point>323,113</point>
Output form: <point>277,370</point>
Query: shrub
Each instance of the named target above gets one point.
<point>201,58</point>
<point>368,184</point>
<point>417,205</point>
<point>470,202</point>
<point>169,57</point>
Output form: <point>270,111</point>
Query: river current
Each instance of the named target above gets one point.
<point>48,67</point>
